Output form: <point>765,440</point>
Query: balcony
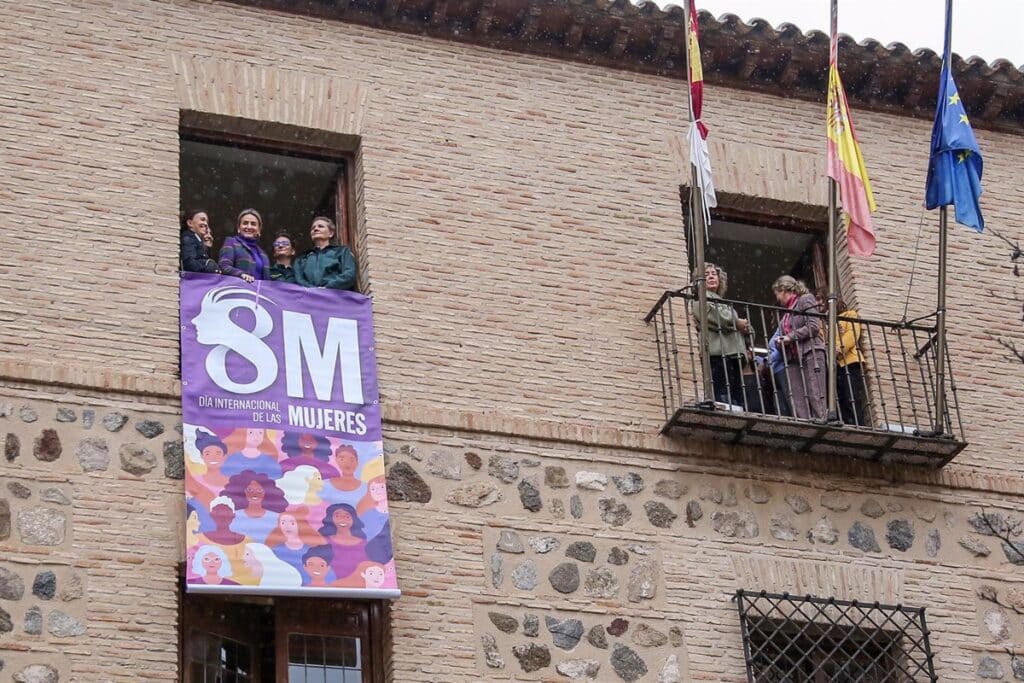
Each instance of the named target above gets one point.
<point>885,408</point>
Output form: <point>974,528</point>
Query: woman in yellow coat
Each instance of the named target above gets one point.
<point>850,387</point>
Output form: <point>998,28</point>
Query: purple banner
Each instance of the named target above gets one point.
<point>284,466</point>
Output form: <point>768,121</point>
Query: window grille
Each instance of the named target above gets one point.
<point>804,639</point>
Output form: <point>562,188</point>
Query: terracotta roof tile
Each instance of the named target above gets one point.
<point>647,38</point>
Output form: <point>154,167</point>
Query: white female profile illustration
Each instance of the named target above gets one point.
<point>215,327</point>
<point>212,567</point>
<point>302,485</point>
<point>269,569</point>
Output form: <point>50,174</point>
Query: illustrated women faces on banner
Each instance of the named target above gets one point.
<point>286,509</point>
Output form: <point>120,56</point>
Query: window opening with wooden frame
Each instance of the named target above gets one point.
<point>755,249</point>
<point>743,364</point>
<point>291,640</point>
<point>287,182</point>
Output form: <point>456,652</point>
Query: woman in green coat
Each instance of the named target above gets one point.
<point>727,347</point>
<point>326,265</point>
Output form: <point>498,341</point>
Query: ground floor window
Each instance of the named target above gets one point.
<point>295,640</point>
<point>804,639</point>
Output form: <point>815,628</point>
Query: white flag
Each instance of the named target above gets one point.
<point>701,161</point>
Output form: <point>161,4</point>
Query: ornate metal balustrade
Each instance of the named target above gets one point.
<point>886,398</point>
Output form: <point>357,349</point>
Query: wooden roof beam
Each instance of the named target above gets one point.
<point>531,23</point>
<point>994,107</point>
<point>749,63</point>
<point>665,42</point>
<point>790,72</point>
<point>390,9</point>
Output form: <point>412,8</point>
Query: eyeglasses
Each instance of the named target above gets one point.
<point>282,243</point>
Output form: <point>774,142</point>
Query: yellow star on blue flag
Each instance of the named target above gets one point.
<point>955,166</point>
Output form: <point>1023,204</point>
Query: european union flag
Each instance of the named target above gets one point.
<point>954,170</point>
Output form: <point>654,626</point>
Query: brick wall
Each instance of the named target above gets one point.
<point>617,557</point>
<point>518,216</point>
<point>521,213</point>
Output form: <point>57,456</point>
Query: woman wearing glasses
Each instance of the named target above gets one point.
<point>284,254</point>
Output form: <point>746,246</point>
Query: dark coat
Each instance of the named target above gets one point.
<point>333,267</point>
<point>194,257</point>
<point>236,258</point>
<point>279,273</point>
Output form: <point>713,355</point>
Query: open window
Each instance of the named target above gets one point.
<point>225,174</point>
<point>754,250</point>
<point>731,382</point>
<point>754,255</point>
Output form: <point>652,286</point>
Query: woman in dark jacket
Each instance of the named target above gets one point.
<point>326,265</point>
<point>284,254</point>
<point>241,254</point>
<point>802,347</point>
<point>195,227</point>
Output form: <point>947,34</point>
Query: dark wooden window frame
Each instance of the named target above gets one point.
<point>278,138</point>
<point>368,620</point>
<point>774,218</point>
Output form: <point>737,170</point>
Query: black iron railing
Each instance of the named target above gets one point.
<point>805,639</point>
<point>885,371</point>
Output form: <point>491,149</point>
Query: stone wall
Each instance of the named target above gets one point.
<point>90,511</point>
<point>518,558</point>
<point>558,555</point>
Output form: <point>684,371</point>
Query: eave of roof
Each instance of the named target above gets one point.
<point>782,61</point>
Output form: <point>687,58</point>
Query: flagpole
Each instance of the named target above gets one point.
<point>940,307</point>
<point>831,413</point>
<point>698,233</point>
<point>940,327</point>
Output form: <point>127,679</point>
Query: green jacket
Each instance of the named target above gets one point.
<point>333,267</point>
<point>723,337</point>
<point>279,273</point>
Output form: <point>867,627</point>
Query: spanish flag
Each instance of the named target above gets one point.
<point>699,156</point>
<point>846,165</point>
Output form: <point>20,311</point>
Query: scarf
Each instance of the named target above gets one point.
<point>258,257</point>
<point>787,328</point>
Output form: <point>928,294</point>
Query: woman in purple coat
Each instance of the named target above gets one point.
<point>802,346</point>
<point>241,254</point>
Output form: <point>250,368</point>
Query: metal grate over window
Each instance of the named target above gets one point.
<point>804,639</point>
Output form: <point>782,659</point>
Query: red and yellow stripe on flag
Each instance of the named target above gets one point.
<point>846,167</point>
<point>698,132</point>
<point>696,72</point>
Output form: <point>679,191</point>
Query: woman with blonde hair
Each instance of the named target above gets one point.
<point>301,485</point>
<point>293,536</point>
<point>802,347</point>
<point>241,254</point>
<point>727,346</point>
<point>269,569</point>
